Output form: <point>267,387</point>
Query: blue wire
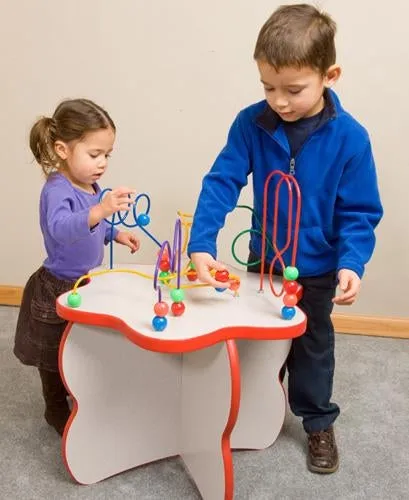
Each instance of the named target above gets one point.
<point>150,236</point>
<point>121,220</point>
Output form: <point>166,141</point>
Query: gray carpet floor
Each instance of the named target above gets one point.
<point>371,386</point>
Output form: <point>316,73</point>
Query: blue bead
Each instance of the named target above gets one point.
<point>159,323</point>
<point>220,290</point>
<point>288,312</point>
<point>143,220</point>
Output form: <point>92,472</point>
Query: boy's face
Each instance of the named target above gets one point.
<point>295,93</point>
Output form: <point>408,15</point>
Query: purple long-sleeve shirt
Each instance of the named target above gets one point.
<point>73,248</point>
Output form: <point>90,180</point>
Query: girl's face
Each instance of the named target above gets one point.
<point>86,159</point>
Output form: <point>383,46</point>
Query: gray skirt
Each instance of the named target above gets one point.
<point>39,328</point>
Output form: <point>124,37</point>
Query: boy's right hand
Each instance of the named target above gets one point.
<point>117,200</point>
<point>204,263</point>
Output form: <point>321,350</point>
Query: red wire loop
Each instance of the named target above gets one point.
<point>291,183</point>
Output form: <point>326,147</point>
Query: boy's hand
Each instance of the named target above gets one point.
<point>349,283</point>
<point>204,262</point>
<point>128,239</point>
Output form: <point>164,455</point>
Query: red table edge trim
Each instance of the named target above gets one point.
<point>234,360</point>
<point>74,410</point>
<point>184,345</point>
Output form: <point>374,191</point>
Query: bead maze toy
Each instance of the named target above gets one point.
<point>207,385</point>
<point>168,266</point>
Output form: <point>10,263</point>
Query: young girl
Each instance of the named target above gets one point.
<point>72,148</point>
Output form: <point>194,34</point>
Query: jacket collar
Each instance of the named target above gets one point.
<point>269,120</point>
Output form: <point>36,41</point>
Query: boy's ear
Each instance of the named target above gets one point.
<point>61,149</point>
<point>332,75</point>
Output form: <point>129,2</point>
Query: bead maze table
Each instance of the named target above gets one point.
<point>199,379</point>
<point>208,384</point>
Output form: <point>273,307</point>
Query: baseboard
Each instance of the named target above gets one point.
<point>377,326</point>
<point>10,295</point>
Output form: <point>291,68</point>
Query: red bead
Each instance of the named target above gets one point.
<point>234,285</point>
<point>299,291</point>
<point>164,265</point>
<point>222,276</point>
<point>290,286</point>
<point>178,308</point>
<point>290,300</point>
<point>192,275</point>
<point>161,309</point>
<point>165,254</point>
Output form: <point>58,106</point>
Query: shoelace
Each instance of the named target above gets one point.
<point>321,441</point>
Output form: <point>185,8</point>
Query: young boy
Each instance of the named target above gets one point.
<point>302,130</point>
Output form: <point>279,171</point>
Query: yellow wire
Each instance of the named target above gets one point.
<point>165,279</point>
<point>186,225</point>
<point>185,215</point>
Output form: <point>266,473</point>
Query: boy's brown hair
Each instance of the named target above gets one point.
<point>297,35</point>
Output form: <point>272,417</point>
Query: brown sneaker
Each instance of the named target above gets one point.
<point>322,452</point>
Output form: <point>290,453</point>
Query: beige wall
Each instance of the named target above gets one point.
<point>173,74</point>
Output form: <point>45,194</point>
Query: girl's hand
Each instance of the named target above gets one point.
<point>349,283</point>
<point>114,201</point>
<point>203,263</point>
<point>128,239</point>
<point>117,200</point>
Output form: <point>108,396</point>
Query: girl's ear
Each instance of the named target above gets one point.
<point>332,75</point>
<point>61,149</point>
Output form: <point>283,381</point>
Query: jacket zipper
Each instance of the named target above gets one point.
<point>292,159</point>
<point>292,166</point>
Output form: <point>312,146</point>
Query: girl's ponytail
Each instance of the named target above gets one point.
<point>42,139</point>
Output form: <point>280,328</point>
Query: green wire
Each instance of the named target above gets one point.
<point>255,231</point>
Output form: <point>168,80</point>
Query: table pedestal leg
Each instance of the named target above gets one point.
<point>263,400</point>
<point>126,403</point>
<point>210,404</point>
<point>133,406</point>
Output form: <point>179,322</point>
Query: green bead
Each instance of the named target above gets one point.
<point>74,299</point>
<point>291,273</point>
<point>163,275</point>
<point>192,266</point>
<point>177,295</point>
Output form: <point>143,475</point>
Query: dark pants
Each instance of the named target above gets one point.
<point>311,362</point>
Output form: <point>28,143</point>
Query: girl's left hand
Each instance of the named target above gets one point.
<point>349,283</point>
<point>128,239</point>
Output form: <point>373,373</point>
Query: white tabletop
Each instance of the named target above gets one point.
<point>125,302</point>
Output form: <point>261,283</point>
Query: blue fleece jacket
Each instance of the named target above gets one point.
<point>335,170</point>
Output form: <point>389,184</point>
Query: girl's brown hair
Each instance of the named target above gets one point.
<point>297,35</point>
<point>71,120</point>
